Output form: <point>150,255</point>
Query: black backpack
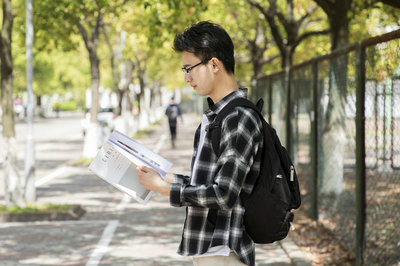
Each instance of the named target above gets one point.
<point>172,112</point>
<point>276,192</point>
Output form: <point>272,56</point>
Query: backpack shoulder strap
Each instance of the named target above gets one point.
<point>215,126</point>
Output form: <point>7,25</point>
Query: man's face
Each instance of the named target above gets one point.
<point>200,77</point>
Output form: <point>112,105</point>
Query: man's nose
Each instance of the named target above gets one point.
<point>188,78</point>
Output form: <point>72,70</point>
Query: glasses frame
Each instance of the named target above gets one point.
<point>186,70</point>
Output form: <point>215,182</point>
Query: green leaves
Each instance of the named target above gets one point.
<point>61,60</point>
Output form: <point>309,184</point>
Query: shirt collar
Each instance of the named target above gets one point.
<point>215,108</point>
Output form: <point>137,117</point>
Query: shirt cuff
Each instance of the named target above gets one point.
<point>175,194</point>
<point>181,179</point>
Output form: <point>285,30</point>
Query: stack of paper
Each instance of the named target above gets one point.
<point>116,163</point>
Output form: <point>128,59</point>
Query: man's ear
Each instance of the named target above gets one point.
<point>216,64</point>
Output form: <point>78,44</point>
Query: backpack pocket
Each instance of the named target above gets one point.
<point>270,224</point>
<point>280,189</point>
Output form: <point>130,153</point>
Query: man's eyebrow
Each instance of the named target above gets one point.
<point>186,65</point>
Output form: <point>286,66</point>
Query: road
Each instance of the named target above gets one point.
<point>57,142</point>
<point>115,230</point>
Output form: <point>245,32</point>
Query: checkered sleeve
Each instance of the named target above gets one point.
<point>240,139</point>
<point>176,189</point>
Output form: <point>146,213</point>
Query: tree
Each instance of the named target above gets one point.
<point>115,62</point>
<point>289,26</point>
<point>13,183</point>
<point>339,13</point>
<point>393,3</point>
<point>67,19</point>
<point>151,26</point>
<point>254,49</point>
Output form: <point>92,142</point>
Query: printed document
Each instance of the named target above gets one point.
<point>116,163</point>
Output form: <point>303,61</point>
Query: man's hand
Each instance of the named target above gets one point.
<point>152,180</point>
<point>169,178</point>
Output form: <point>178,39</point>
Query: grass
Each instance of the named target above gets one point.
<point>82,162</point>
<point>141,133</point>
<point>144,132</point>
<point>31,208</point>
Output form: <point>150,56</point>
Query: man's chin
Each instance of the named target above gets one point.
<point>199,92</point>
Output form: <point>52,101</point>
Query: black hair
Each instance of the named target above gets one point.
<point>207,40</point>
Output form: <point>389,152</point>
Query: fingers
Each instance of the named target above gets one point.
<point>143,169</point>
<point>150,179</point>
<point>170,178</point>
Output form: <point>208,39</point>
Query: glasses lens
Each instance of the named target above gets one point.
<point>187,70</point>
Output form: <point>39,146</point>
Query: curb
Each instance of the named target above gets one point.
<point>293,252</point>
<point>75,212</point>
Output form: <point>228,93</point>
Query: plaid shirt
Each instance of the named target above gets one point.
<point>214,213</point>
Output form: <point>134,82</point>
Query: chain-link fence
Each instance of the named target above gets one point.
<point>382,148</point>
<point>339,116</point>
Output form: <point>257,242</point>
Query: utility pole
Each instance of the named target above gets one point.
<point>123,72</point>
<point>30,190</point>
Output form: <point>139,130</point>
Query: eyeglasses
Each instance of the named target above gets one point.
<point>186,70</point>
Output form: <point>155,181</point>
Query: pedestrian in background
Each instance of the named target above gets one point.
<point>172,112</point>
<point>57,110</point>
<point>214,233</point>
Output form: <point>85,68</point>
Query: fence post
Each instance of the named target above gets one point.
<point>289,111</point>
<point>314,142</point>
<point>360,156</point>
<point>270,100</point>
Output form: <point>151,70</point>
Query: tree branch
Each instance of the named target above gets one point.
<point>269,16</point>
<point>326,5</point>
<point>270,59</point>
<point>114,68</point>
<point>85,36</point>
<point>96,29</point>
<point>309,34</point>
<point>393,3</point>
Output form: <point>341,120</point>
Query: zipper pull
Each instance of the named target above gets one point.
<point>292,227</point>
<point>292,173</point>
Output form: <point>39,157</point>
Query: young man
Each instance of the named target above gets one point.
<point>172,111</point>
<point>214,233</point>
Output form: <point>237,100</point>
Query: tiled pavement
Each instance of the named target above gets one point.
<point>117,230</point>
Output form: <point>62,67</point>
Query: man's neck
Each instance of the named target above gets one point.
<point>224,86</point>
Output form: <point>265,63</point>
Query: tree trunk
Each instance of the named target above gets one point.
<point>142,87</point>
<point>13,185</point>
<point>334,137</point>
<point>94,83</point>
<point>93,136</point>
<point>130,66</point>
<point>116,75</point>
<point>282,128</point>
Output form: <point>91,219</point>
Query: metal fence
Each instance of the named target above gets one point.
<point>339,116</point>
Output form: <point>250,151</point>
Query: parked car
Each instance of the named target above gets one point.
<point>105,118</point>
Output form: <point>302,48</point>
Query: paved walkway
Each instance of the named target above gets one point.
<point>116,230</point>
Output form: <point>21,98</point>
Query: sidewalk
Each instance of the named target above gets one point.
<point>117,230</point>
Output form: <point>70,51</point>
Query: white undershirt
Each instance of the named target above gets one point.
<point>204,124</point>
<point>221,250</point>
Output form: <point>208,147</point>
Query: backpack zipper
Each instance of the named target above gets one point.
<point>292,227</point>
<point>292,173</point>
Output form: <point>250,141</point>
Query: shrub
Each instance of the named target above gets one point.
<point>66,106</point>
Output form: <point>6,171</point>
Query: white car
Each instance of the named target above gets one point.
<point>105,118</point>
